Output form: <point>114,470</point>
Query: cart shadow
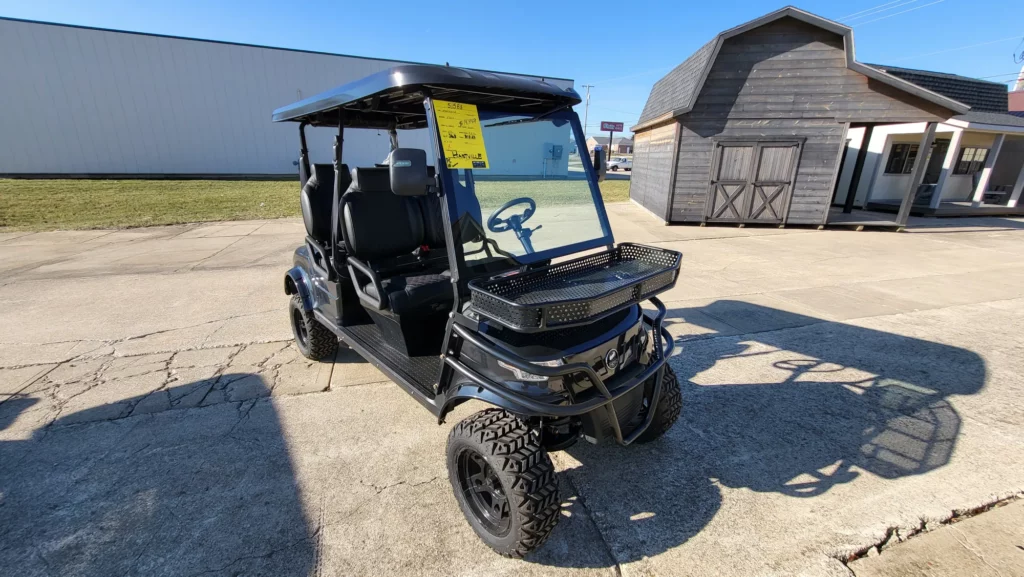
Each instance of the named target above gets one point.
<point>793,412</point>
<point>178,492</point>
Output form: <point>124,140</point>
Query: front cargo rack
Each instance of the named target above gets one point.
<point>577,291</point>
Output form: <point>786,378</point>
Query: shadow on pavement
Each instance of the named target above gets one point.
<point>180,492</point>
<point>794,412</point>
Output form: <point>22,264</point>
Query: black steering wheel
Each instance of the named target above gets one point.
<point>515,221</point>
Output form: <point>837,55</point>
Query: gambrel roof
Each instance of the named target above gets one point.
<point>676,93</point>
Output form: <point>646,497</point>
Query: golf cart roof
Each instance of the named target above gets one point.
<point>394,97</point>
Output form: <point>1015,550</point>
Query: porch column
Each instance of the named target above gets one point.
<point>858,168</point>
<point>947,167</point>
<point>920,166</point>
<point>1017,188</point>
<point>986,173</point>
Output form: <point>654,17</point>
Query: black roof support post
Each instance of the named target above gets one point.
<point>339,142</point>
<point>920,166</point>
<point>303,155</point>
<point>858,169</point>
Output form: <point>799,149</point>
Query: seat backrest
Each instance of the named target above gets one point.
<point>317,200</point>
<point>378,223</point>
<point>433,222</point>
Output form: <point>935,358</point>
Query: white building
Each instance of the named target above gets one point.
<point>88,101</point>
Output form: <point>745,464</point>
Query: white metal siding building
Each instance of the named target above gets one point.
<point>86,101</point>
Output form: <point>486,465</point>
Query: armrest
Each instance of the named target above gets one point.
<point>354,267</point>
<point>318,256</point>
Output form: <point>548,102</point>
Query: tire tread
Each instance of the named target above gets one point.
<point>521,456</point>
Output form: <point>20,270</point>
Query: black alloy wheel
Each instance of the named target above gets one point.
<point>483,491</point>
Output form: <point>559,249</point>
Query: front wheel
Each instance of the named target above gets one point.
<point>504,481</point>
<point>666,413</point>
<point>615,169</point>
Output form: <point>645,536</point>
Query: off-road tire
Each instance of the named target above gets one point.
<point>313,340</point>
<point>526,474</point>
<point>670,404</point>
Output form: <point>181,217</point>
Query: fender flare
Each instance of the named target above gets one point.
<point>469,391</point>
<point>296,281</point>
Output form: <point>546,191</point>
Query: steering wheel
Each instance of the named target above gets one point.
<point>515,221</point>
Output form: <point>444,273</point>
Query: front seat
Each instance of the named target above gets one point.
<point>383,230</point>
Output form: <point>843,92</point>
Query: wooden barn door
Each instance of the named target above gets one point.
<point>752,181</point>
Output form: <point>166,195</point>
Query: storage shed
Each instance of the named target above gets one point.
<point>751,127</point>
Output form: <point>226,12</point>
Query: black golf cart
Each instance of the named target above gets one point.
<point>532,309</point>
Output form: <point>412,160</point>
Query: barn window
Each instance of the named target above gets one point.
<point>971,160</point>
<point>901,159</point>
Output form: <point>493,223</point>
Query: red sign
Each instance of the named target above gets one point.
<point>611,126</point>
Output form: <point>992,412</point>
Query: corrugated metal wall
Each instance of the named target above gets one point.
<point>84,101</point>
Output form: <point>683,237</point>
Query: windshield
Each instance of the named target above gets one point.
<point>526,204</point>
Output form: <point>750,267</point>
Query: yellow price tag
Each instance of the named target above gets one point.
<point>461,136</point>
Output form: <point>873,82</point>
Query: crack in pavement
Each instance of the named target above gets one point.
<point>956,515</point>
<point>965,542</point>
<point>590,516</point>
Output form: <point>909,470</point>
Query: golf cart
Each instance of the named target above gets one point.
<point>532,309</point>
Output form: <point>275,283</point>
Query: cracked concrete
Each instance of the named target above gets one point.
<point>842,392</point>
<point>990,544</point>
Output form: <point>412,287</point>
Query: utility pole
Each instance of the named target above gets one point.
<point>586,109</point>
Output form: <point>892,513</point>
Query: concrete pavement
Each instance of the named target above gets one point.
<point>988,545</point>
<point>839,387</point>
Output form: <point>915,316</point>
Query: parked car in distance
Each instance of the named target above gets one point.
<point>620,163</point>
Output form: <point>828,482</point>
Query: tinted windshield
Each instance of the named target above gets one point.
<point>526,203</point>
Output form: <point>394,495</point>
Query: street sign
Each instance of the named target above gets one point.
<point>612,128</point>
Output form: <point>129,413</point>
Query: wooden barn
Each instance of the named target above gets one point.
<point>752,127</point>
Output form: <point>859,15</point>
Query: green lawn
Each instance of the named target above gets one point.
<point>86,204</point>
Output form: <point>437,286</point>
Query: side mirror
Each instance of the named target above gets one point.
<point>409,174</point>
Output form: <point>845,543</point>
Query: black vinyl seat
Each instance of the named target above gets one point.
<point>389,234</point>
<point>412,293</point>
<point>317,200</point>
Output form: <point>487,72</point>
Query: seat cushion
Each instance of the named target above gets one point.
<point>417,293</point>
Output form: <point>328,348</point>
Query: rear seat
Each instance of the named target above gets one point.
<point>384,230</point>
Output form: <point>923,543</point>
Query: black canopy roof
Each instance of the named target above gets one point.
<point>395,96</point>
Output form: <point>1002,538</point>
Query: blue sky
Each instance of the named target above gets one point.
<point>619,47</point>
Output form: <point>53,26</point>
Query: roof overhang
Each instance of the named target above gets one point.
<point>851,62</point>
<point>984,127</point>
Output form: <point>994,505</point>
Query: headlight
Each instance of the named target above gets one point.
<point>522,375</point>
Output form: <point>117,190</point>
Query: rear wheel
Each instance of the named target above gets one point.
<point>313,340</point>
<point>504,481</point>
<point>666,413</point>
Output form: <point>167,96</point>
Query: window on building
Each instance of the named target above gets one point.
<point>971,160</point>
<point>901,159</point>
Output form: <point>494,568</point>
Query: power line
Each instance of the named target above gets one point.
<point>901,12</point>
<point>880,9</point>
<point>954,49</point>
<point>632,114</point>
<point>867,10</point>
<point>645,72</point>
<point>1019,73</point>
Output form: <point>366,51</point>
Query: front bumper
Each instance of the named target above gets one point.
<point>605,392</point>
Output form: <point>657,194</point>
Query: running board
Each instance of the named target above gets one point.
<point>413,375</point>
